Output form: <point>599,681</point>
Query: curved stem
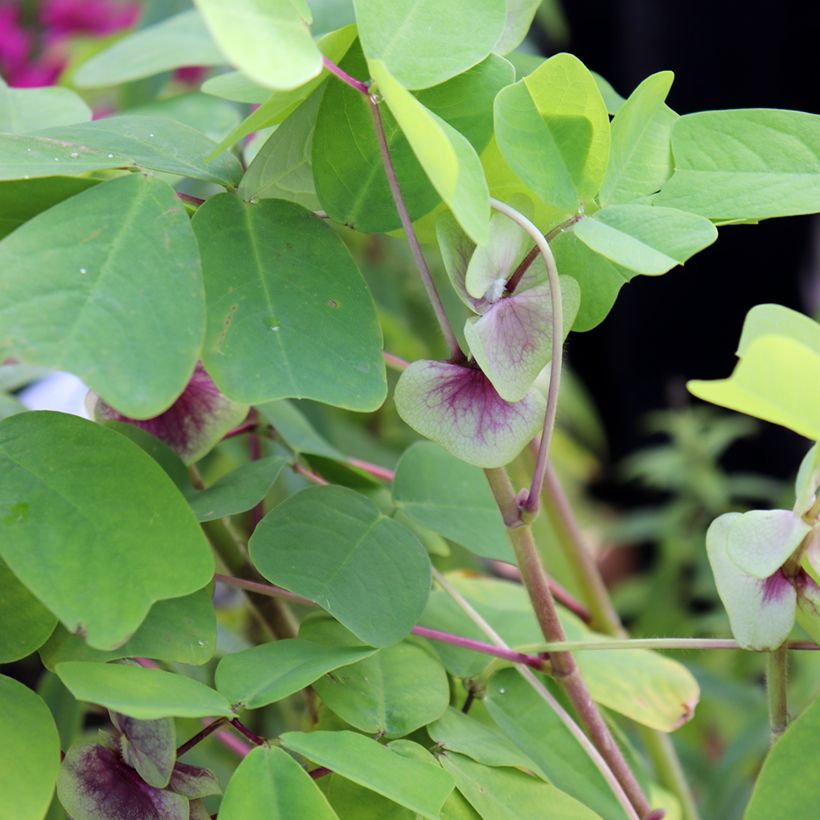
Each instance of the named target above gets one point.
<point>412,240</point>
<point>533,500</point>
<point>777,663</point>
<point>545,694</point>
<point>358,85</point>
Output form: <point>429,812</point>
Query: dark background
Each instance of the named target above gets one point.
<point>686,324</point>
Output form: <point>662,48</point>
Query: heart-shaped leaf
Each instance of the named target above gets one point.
<point>328,543</point>
<point>457,407</point>
<point>149,746</point>
<point>79,500</point>
<point>512,340</point>
<point>761,612</point>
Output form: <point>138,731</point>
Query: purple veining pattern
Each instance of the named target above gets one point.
<point>775,588</point>
<point>95,782</point>
<point>458,407</point>
<point>193,423</point>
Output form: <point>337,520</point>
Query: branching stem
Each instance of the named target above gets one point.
<point>777,674</point>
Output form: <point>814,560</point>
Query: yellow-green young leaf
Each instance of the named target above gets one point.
<point>519,19</point>
<point>270,785</point>
<point>27,109</point>
<point>776,320</point>
<point>281,104</point>
<point>448,159</point>
<point>777,379</point>
<point>145,694</point>
<point>422,42</point>
<point>509,794</point>
<point>180,40</point>
<point>807,481</point>
<point>553,129</point>
<point>418,785</point>
<point>269,40</point>
<point>787,783</point>
<point>29,753</point>
<point>745,164</point>
<point>640,159</point>
<point>78,500</point>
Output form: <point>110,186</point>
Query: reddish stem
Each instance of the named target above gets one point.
<point>395,362</point>
<point>246,427</point>
<point>309,474</point>
<point>320,772</point>
<point>191,200</point>
<point>200,736</point>
<point>479,646</point>
<point>373,469</point>
<point>244,730</point>
<point>358,85</point>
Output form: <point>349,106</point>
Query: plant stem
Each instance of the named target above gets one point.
<point>200,736</point>
<point>358,85</point>
<point>662,643</point>
<point>533,500</point>
<point>777,673</point>
<point>606,620</point>
<point>373,469</point>
<point>564,669</point>
<point>314,478</point>
<point>523,267</point>
<point>395,362</point>
<point>412,240</point>
<point>244,730</point>
<point>545,694</point>
<point>477,646</point>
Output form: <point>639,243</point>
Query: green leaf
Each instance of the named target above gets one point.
<point>419,786</point>
<point>297,431</point>
<point>539,733</point>
<point>645,239</point>
<point>456,732</point>
<point>280,105</point>
<point>507,794</point>
<point>778,380</point>
<point>640,159</point>
<point>181,40</point>
<point>78,501</point>
<point>29,754</point>
<point>265,306</point>
<point>451,498</point>
<point>212,117</point>
<point>149,746</point>
<point>458,408</point>
<point>448,159</point>
<point>181,630</point>
<point>520,14</point>
<point>787,783</point>
<point>145,694</point>
<point>599,278</point>
<point>553,129</point>
<point>776,320</point>
<point>238,491</point>
<point>422,42</point>
<point>269,40</point>
<point>391,693</point>
<point>282,169</point>
<point>270,785</point>
<point>745,164</point>
<point>26,622</point>
<point>77,261</point>
<point>348,799</point>
<point>328,544</point>
<point>27,109</point>
<point>235,86</point>
<point>761,613</point>
<point>613,100</point>
<point>264,674</point>
<point>807,481</point>
<point>20,200</point>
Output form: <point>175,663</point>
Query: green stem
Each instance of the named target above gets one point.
<point>564,668</point>
<point>777,673</point>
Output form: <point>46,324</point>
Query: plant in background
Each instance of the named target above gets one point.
<point>350,660</point>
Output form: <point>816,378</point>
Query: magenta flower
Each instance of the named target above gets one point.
<point>15,43</point>
<point>98,17</point>
<point>193,425</point>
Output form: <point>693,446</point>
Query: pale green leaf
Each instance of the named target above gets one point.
<point>451,498</point>
<point>181,40</point>
<point>78,500</point>
<point>268,40</point>
<point>77,262</point>
<point>264,674</point>
<point>420,786</point>
<point>507,794</point>
<point>235,86</point>
<point>553,129</point>
<point>640,159</point>
<point>448,159</point>
<point>145,694</point>
<point>422,42</point>
<point>274,273</point>
<point>787,783</point>
<point>776,320</point>
<point>297,431</point>
<point>328,543</point>
<point>745,164</point>
<point>29,753</point>
<point>270,785</point>
<point>520,14</point>
<point>645,239</point>
<point>28,109</point>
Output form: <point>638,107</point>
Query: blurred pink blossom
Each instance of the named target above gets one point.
<point>87,16</point>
